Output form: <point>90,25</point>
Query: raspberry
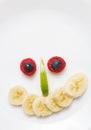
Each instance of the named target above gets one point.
<point>56,64</point>
<point>28,66</point>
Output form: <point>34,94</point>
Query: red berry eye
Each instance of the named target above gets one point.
<point>28,66</point>
<point>56,64</point>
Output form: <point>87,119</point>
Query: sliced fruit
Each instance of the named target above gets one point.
<point>28,66</point>
<point>51,103</point>
<point>56,64</point>
<point>76,85</point>
<point>17,95</point>
<point>43,80</point>
<point>27,104</point>
<point>62,98</point>
<point>40,108</point>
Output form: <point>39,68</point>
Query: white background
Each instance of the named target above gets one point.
<point>44,28</point>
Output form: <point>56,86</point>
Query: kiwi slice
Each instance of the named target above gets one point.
<point>43,79</point>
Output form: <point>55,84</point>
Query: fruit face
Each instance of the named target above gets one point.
<point>28,66</point>
<point>48,103</point>
<point>56,64</point>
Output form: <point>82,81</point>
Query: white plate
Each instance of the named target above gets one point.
<point>44,28</point>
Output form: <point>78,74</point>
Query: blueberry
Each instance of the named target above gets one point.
<point>28,67</point>
<point>56,64</point>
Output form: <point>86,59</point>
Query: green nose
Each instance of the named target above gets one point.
<point>43,79</point>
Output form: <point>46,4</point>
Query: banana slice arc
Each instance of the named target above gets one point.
<point>51,103</point>
<point>76,85</point>
<point>27,104</point>
<point>40,108</point>
<point>56,101</point>
<point>17,95</point>
<point>62,98</point>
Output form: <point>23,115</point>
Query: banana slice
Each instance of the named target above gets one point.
<point>51,103</point>
<point>62,98</point>
<point>27,104</point>
<point>76,85</point>
<point>17,95</point>
<point>40,108</point>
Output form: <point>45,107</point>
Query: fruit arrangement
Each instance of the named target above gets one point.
<point>49,103</point>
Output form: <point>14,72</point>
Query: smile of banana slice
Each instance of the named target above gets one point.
<point>62,98</point>
<point>17,95</point>
<point>76,85</point>
<point>27,104</point>
<point>52,104</point>
<point>58,100</point>
<point>40,107</point>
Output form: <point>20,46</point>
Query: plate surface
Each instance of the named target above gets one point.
<point>44,28</point>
